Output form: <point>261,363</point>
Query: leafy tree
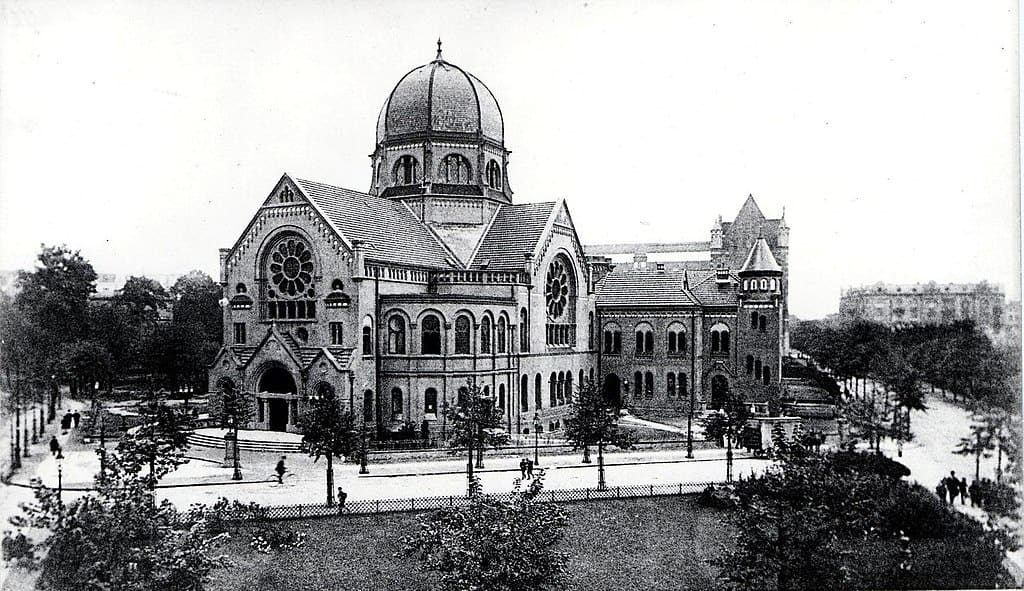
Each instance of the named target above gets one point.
<point>726,423</point>
<point>143,298</point>
<point>119,537</point>
<point>977,444</point>
<point>234,409</point>
<point>495,544</point>
<point>328,430</point>
<point>56,294</point>
<point>475,423</point>
<point>593,420</point>
<point>197,300</point>
<point>111,328</point>
<point>85,363</point>
<point>161,439</point>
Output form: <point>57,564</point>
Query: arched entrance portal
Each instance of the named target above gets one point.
<point>719,392</point>
<point>277,380</point>
<point>612,390</point>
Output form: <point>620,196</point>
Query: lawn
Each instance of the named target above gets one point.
<point>659,543</point>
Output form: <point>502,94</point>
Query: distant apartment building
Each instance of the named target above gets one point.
<point>926,303</point>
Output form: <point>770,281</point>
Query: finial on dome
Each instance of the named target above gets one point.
<point>438,49</point>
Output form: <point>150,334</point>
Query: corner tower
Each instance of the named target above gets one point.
<point>441,146</point>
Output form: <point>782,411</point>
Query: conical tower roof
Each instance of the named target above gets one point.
<point>761,260</point>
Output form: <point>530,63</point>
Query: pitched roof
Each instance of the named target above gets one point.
<point>750,211</point>
<point>392,233</point>
<point>515,231</point>
<point>636,288</point>
<point>709,292</point>
<point>761,259</point>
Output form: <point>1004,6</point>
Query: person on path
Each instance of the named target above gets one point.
<point>963,491</point>
<point>529,469</point>
<point>54,445</point>
<point>522,467</point>
<point>65,422</point>
<point>941,491</point>
<point>76,417</point>
<point>280,469</point>
<point>974,490</point>
<point>952,486</point>
<point>342,497</point>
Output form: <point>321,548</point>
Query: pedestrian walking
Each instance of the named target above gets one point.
<point>974,491</point>
<point>529,469</point>
<point>941,490</point>
<point>54,445</point>
<point>65,422</point>
<point>952,486</point>
<point>280,469</point>
<point>963,491</point>
<point>76,417</point>
<point>342,497</point>
<point>522,467</point>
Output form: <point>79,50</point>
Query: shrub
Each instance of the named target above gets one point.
<point>278,539</point>
<point>868,463</point>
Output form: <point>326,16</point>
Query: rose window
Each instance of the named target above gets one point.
<point>291,268</point>
<point>556,290</point>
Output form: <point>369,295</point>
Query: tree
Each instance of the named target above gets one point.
<point>494,544</point>
<point>56,294</point>
<point>726,423</point>
<point>977,444</point>
<point>235,408</point>
<point>161,439</point>
<point>475,422</point>
<point>143,299</point>
<point>197,300</point>
<point>85,363</point>
<point>593,420</point>
<point>119,537</point>
<point>328,430</point>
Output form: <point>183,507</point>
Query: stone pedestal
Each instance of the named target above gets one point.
<point>229,452</point>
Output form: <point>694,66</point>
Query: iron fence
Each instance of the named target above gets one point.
<point>378,506</point>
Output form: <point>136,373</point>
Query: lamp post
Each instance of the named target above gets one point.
<point>35,437</point>
<point>60,474</point>
<point>54,388</point>
<point>362,454</point>
<point>236,474</point>
<point>536,439</point>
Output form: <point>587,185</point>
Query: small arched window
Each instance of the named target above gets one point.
<point>750,364</point>
<point>524,393</point>
<point>396,404</point>
<point>430,402</point>
<point>612,339</point>
<point>396,335</point>
<point>764,285</point>
<point>501,396</point>
<point>670,385</point>
<point>681,383</point>
<point>649,384</point>
<point>524,331</point>
<point>501,334</point>
<point>568,386</point>
<point>454,169</point>
<point>766,375</point>
<point>644,341</point>
<point>537,396</point>
<point>762,324</point>
<point>407,171</point>
<point>240,288</point>
<point>757,369</point>
<point>676,339</point>
<point>430,337</point>
<point>367,336</point>
<point>774,285</point>
<point>494,175</point>
<point>753,321</point>
<point>553,390</point>
<point>485,335</point>
<point>367,405</point>
<point>462,335</point>
<point>638,384</point>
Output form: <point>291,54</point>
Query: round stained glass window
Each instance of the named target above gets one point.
<point>291,267</point>
<point>556,289</point>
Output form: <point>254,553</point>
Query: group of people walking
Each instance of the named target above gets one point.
<point>526,467</point>
<point>949,488</point>
<point>66,422</point>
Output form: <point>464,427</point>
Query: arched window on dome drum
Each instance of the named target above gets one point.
<point>462,335</point>
<point>454,170</point>
<point>524,393</point>
<point>430,339</point>
<point>396,335</point>
<point>485,335</point>
<point>407,171</point>
<point>494,175</point>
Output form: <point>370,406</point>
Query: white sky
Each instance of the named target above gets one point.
<point>147,133</point>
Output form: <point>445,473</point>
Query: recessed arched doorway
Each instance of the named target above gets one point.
<point>277,380</point>
<point>719,391</point>
<point>612,390</point>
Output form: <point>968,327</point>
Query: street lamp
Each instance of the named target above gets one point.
<point>536,438</point>
<point>60,473</point>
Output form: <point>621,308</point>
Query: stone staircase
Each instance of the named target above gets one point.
<point>281,447</point>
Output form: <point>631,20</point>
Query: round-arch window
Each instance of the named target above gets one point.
<point>407,171</point>
<point>336,285</point>
<point>494,175</point>
<point>454,169</point>
<point>291,267</point>
<point>240,288</point>
<point>556,288</point>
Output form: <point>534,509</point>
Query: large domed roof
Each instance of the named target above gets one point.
<point>440,97</point>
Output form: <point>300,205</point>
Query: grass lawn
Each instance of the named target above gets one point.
<point>658,543</point>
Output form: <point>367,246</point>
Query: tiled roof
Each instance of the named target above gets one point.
<point>643,288</point>
<point>244,354</point>
<point>711,293</point>
<point>761,259</point>
<point>516,229</point>
<point>393,233</point>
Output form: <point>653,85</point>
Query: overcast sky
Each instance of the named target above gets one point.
<point>147,133</point>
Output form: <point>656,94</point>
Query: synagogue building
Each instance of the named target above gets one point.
<point>395,299</point>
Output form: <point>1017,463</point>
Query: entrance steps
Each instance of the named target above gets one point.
<point>253,441</point>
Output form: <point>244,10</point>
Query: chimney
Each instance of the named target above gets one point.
<point>640,261</point>
<point>224,252</point>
